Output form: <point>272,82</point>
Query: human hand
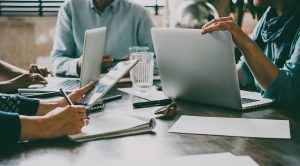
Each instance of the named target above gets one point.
<point>115,61</point>
<point>64,121</point>
<point>228,23</point>
<point>40,70</point>
<point>25,80</point>
<point>79,64</point>
<point>76,95</point>
<point>107,61</point>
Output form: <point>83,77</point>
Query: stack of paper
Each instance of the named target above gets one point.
<point>216,159</point>
<point>260,128</point>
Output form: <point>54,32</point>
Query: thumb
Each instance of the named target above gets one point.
<point>80,92</point>
<point>86,88</point>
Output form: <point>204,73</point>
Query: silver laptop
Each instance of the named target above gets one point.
<point>93,50</point>
<point>201,68</point>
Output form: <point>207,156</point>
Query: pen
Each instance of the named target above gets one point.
<point>112,98</point>
<point>66,97</point>
<point>152,103</point>
<point>71,103</point>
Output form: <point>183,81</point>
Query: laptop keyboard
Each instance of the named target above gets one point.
<point>246,100</point>
<point>69,84</point>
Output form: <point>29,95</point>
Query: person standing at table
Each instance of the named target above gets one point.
<point>128,24</point>
<point>271,57</point>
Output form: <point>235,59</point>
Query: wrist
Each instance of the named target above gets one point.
<point>31,127</point>
<point>49,127</point>
<point>44,108</point>
<point>245,44</point>
<point>62,103</point>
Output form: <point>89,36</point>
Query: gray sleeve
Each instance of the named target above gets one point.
<point>63,55</point>
<point>286,88</point>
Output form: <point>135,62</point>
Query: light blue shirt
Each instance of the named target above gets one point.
<point>128,24</point>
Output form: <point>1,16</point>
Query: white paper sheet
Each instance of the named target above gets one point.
<point>217,159</point>
<point>259,128</point>
<point>152,95</point>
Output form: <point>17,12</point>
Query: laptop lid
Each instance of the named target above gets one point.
<point>93,50</point>
<point>196,67</point>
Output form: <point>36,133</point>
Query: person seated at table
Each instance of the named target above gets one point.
<point>271,57</point>
<point>12,77</point>
<point>127,23</point>
<point>29,119</point>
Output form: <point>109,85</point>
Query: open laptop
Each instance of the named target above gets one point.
<point>93,50</point>
<point>201,68</point>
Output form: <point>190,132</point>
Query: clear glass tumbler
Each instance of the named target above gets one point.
<point>142,74</point>
<point>135,49</point>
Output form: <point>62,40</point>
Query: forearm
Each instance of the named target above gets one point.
<point>6,87</point>
<point>45,107</point>
<point>31,127</point>
<point>9,71</point>
<point>264,71</point>
<point>243,79</point>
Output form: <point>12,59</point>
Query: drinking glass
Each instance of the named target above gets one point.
<point>142,74</point>
<point>135,49</point>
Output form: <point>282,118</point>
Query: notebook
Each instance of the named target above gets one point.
<point>112,125</point>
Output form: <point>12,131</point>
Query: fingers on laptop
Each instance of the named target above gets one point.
<point>37,79</point>
<point>216,20</point>
<point>40,70</point>
<point>223,23</point>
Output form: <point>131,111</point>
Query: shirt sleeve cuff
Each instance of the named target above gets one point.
<point>29,106</point>
<point>11,128</point>
<point>72,68</point>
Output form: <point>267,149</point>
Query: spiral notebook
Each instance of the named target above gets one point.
<point>112,125</point>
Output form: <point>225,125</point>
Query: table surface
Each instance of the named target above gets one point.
<point>161,144</point>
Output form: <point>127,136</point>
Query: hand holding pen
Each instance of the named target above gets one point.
<point>82,114</point>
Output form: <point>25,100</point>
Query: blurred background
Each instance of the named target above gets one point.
<point>27,27</point>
